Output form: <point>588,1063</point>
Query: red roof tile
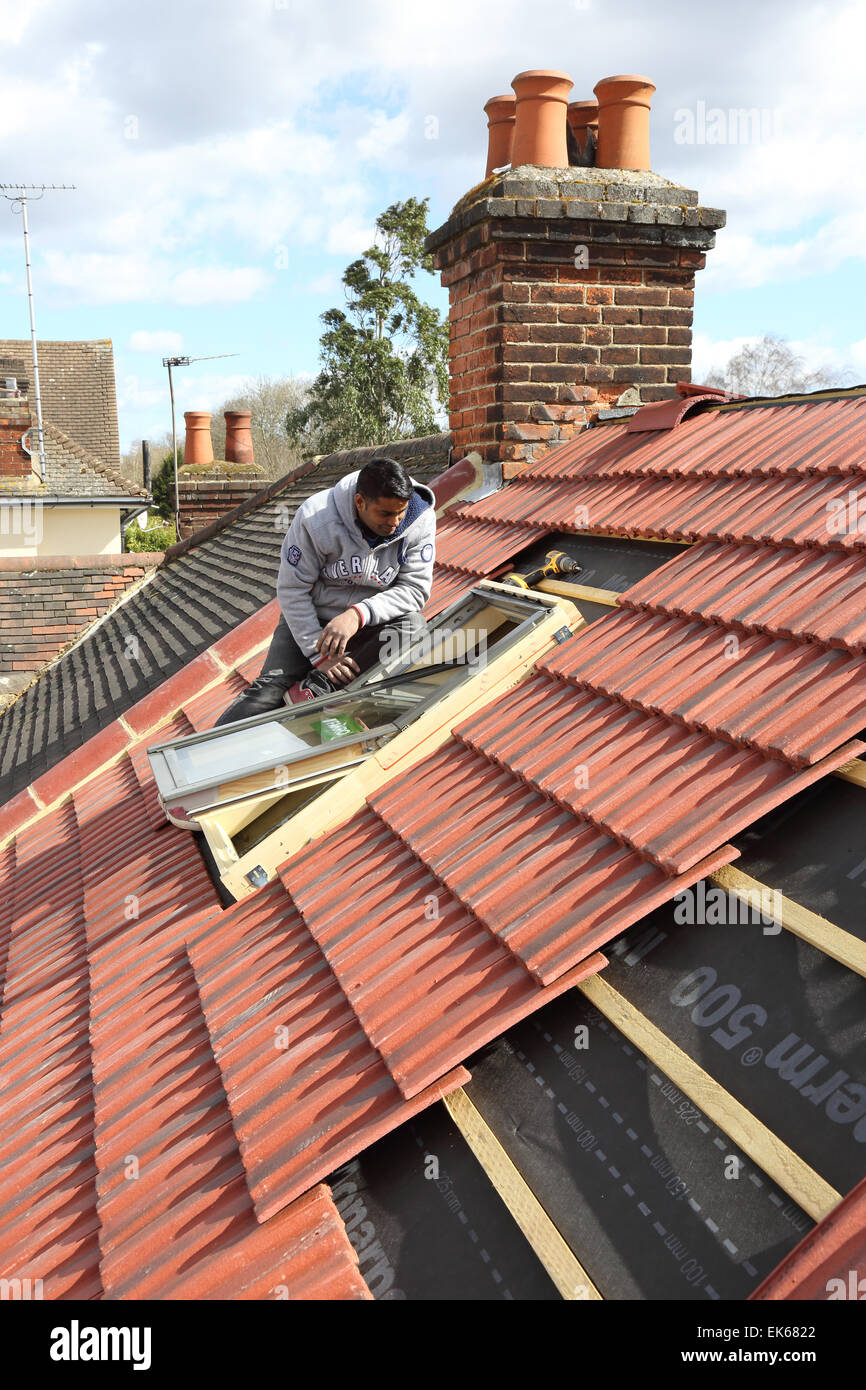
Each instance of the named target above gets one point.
<point>816,437</point>
<point>448,586</point>
<point>427,979</point>
<point>551,888</point>
<point>775,511</point>
<point>686,793</point>
<point>121,1173</point>
<point>788,593</point>
<point>793,700</point>
<point>237,1056</point>
<point>305,1087</point>
<point>489,543</point>
<point>830,1263</point>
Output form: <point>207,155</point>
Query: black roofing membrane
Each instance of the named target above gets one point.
<point>607,562</point>
<point>630,1172</point>
<point>772,1019</point>
<point>591,612</point>
<point>427,1223</point>
<point>813,849</point>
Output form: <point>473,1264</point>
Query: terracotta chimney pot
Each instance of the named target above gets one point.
<point>198,447</point>
<point>540,119</point>
<point>623,122</point>
<point>582,116</point>
<point>239,440</point>
<point>500,127</point>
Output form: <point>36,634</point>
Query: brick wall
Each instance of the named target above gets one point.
<point>565,293</point>
<point>45,603</point>
<point>14,420</point>
<point>206,498</point>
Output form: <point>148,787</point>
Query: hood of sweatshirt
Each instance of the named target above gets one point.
<point>344,491</point>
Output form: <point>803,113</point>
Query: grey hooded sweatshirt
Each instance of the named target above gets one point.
<point>327,565</point>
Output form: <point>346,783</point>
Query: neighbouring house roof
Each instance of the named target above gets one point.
<point>78,391</point>
<point>204,587</point>
<point>46,601</point>
<point>71,470</point>
<point>607,779</point>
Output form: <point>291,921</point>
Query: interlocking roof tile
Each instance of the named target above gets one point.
<point>448,586</point>
<point>551,887</point>
<point>776,511</point>
<point>306,1088</point>
<point>490,543</point>
<point>645,780</point>
<point>794,700</point>
<point>807,438</point>
<point>429,982</point>
<point>121,1174</point>
<point>812,594</point>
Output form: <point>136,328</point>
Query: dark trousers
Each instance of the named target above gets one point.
<point>285,663</point>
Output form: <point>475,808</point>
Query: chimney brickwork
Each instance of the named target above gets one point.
<point>208,497</point>
<point>571,273</point>
<point>15,462</point>
<point>568,287</point>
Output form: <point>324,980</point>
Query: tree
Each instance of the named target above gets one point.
<point>770,367</point>
<point>385,361</point>
<point>162,484</point>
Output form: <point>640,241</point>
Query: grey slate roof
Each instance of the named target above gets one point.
<point>76,381</point>
<point>205,586</point>
<point>72,471</point>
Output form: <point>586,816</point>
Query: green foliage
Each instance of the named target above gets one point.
<point>153,538</point>
<point>162,486</point>
<point>385,360</point>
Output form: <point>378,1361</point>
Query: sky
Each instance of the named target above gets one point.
<point>230,159</point>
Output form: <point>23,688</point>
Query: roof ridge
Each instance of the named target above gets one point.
<point>97,464</point>
<point>266,494</point>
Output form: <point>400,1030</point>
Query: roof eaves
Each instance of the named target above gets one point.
<point>111,743</point>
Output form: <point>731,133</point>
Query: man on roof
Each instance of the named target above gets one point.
<point>356,567</point>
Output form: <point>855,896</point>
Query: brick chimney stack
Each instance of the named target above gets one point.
<point>15,419</point>
<point>571,287</point>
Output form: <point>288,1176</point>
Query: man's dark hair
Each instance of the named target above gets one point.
<point>384,477</point>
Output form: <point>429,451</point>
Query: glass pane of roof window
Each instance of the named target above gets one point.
<point>287,736</point>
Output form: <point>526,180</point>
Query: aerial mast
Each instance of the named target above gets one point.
<point>182,362</point>
<point>32,192</point>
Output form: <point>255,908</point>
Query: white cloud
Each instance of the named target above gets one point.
<point>161,344</point>
<point>217,284</point>
<point>327,284</point>
<point>114,278</point>
<point>385,136</point>
<point>349,237</point>
<point>857,354</point>
<point>135,394</point>
<point>205,391</point>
